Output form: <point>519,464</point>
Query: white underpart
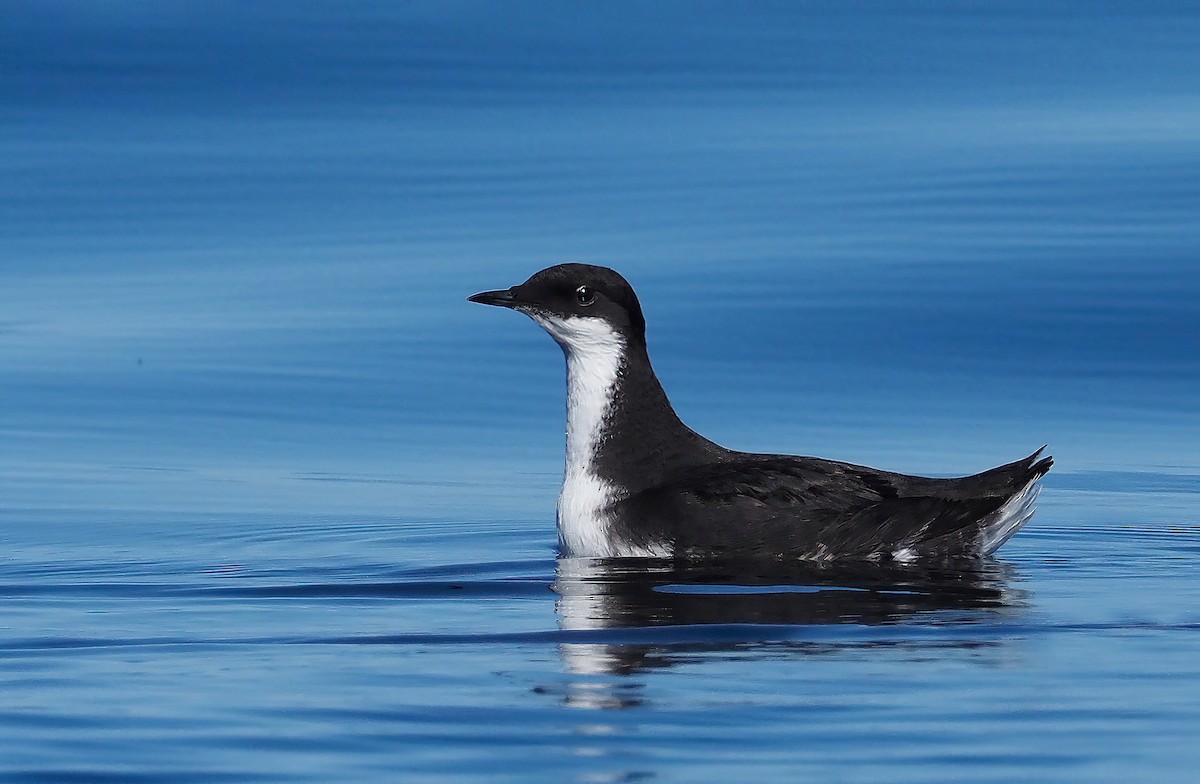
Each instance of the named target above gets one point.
<point>1006,520</point>
<point>594,353</point>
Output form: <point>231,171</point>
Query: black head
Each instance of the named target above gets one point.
<point>569,291</point>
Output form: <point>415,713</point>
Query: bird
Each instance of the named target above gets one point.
<point>639,483</point>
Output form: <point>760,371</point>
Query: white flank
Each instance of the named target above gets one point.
<point>1006,520</point>
<point>594,352</point>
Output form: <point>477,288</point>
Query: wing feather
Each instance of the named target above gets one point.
<point>812,508</point>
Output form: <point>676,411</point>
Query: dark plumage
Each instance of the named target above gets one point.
<point>806,507</point>
<point>674,491</point>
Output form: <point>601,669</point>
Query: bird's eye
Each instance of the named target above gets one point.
<point>585,296</point>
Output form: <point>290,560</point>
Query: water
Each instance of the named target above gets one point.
<point>276,503</point>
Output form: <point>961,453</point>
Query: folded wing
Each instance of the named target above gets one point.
<point>801,507</point>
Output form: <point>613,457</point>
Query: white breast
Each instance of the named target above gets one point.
<point>595,352</point>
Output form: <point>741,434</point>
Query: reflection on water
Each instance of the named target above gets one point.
<point>603,593</point>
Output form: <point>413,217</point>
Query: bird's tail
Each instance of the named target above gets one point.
<point>999,526</point>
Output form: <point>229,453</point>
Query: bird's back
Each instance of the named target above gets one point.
<point>749,505</point>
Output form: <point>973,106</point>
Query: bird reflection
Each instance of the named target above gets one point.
<point>708,607</point>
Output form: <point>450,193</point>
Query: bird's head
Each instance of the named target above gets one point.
<point>580,305</point>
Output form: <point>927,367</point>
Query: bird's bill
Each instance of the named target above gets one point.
<point>505,298</point>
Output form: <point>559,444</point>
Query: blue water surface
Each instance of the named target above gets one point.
<point>277,503</point>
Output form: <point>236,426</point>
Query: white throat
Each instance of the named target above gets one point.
<point>595,352</point>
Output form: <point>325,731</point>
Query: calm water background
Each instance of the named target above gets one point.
<point>276,503</point>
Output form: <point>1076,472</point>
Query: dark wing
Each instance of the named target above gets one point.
<point>803,507</point>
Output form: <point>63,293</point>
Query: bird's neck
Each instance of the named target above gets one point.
<point>593,375</point>
<point>621,427</point>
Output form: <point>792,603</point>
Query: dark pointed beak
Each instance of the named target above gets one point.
<point>505,299</point>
